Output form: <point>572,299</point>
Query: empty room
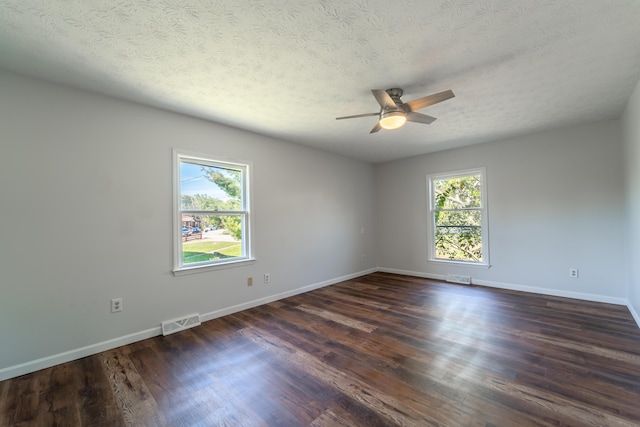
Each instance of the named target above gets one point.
<point>319,213</point>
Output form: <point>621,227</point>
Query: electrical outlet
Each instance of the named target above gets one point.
<point>116,305</point>
<point>249,281</point>
<point>267,278</point>
<point>573,273</point>
<point>363,257</point>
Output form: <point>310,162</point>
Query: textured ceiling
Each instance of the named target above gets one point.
<point>287,68</point>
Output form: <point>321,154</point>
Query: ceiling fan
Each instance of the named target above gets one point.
<point>394,113</point>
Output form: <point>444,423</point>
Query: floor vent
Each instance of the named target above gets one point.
<point>176,325</point>
<point>463,280</point>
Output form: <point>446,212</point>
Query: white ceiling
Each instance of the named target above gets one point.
<point>287,68</point>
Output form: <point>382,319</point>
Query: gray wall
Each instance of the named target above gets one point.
<point>86,203</point>
<point>555,202</point>
<point>631,126</point>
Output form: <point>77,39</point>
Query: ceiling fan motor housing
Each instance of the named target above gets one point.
<point>395,94</point>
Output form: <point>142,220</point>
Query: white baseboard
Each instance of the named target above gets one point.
<point>413,273</point>
<point>552,292</point>
<point>67,356</point>
<point>521,288</point>
<point>255,303</point>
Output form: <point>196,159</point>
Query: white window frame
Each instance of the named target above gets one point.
<point>482,171</point>
<point>245,167</point>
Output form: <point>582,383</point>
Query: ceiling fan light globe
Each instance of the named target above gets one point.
<point>392,120</point>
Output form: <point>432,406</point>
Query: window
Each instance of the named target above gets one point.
<point>211,217</point>
<point>458,217</point>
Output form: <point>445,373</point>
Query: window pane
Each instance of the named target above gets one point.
<point>458,235</point>
<point>218,237</point>
<point>459,243</point>
<point>213,188</point>
<point>457,193</point>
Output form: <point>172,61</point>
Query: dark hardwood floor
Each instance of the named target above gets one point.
<point>380,350</point>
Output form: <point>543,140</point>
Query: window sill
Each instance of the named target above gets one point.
<point>205,268</point>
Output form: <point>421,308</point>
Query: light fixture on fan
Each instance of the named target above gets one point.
<point>392,119</point>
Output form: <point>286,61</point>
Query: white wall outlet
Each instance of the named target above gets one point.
<point>363,257</point>
<point>573,273</point>
<point>116,305</point>
<point>249,281</point>
<point>267,278</point>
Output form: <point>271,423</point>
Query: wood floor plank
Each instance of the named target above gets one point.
<point>137,405</point>
<point>379,350</point>
<point>338,318</point>
<point>96,402</point>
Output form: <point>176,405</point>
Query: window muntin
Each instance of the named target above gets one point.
<point>458,225</point>
<point>212,212</point>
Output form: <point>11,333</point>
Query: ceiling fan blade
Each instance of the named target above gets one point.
<point>420,118</point>
<point>419,103</point>
<point>383,98</point>
<point>376,128</point>
<point>358,115</point>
